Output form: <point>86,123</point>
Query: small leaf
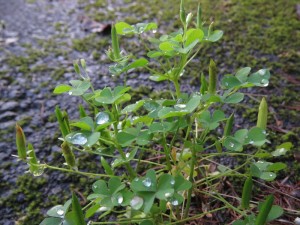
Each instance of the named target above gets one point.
<point>123,28</point>
<point>76,209</point>
<point>51,221</point>
<point>242,74</point>
<point>215,36</point>
<point>125,139</point>
<point>62,88</point>
<point>275,212</point>
<point>192,35</point>
<point>276,166</point>
<point>234,98</point>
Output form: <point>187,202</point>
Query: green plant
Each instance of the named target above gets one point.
<point>177,132</point>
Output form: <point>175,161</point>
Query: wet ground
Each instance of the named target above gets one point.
<point>39,39</point>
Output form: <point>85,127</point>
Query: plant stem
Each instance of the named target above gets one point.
<point>74,171</point>
<point>167,152</point>
<point>191,179</point>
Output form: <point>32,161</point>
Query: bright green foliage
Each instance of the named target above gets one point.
<point>154,151</point>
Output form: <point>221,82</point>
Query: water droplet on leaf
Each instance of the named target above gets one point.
<point>102,118</point>
<point>172,182</point>
<point>174,202</point>
<point>137,202</point>
<point>78,139</point>
<point>262,72</point>
<point>60,212</point>
<point>127,155</point>
<point>251,142</point>
<point>70,92</point>
<point>231,145</point>
<point>154,31</point>
<point>147,182</point>
<point>168,195</point>
<point>182,106</point>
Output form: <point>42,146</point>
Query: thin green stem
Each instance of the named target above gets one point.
<point>167,152</point>
<point>74,171</point>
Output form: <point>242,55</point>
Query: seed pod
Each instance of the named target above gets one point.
<point>62,124</point>
<point>218,146</point>
<point>182,12</point>
<point>212,78</point>
<point>76,67</point>
<point>204,85</point>
<point>264,211</point>
<point>66,120</point>
<point>115,43</point>
<point>188,19</point>
<point>262,117</point>
<point>20,142</point>
<point>83,63</point>
<point>82,112</point>
<point>32,159</point>
<point>246,196</point>
<point>106,166</point>
<point>199,15</point>
<point>68,154</point>
<point>229,125</point>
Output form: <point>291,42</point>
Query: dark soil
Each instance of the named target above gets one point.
<point>39,39</point>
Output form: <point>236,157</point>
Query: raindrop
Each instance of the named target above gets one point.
<point>182,106</point>
<point>175,202</point>
<point>147,182</point>
<point>264,82</point>
<point>168,195</point>
<point>60,212</point>
<point>231,145</point>
<point>136,203</point>
<point>127,155</point>
<point>70,92</point>
<point>78,139</point>
<point>262,72</point>
<point>251,142</point>
<point>136,179</point>
<point>95,186</point>
<point>172,182</point>
<point>38,172</point>
<point>154,31</point>
<point>120,199</point>
<point>102,118</point>
<point>271,175</point>
<point>103,208</point>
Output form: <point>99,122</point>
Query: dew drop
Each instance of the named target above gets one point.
<point>103,208</point>
<point>70,92</point>
<point>271,175</point>
<point>175,202</point>
<point>95,186</point>
<point>154,31</point>
<point>168,195</point>
<point>147,182</point>
<point>137,202</point>
<point>264,82</point>
<point>281,150</point>
<point>120,199</point>
<point>231,145</point>
<point>251,142</point>
<point>136,179</point>
<point>38,172</point>
<point>127,155</point>
<point>182,106</point>
<point>102,118</point>
<point>60,212</point>
<point>172,182</point>
<point>78,139</point>
<point>262,72</point>
<point>226,83</point>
